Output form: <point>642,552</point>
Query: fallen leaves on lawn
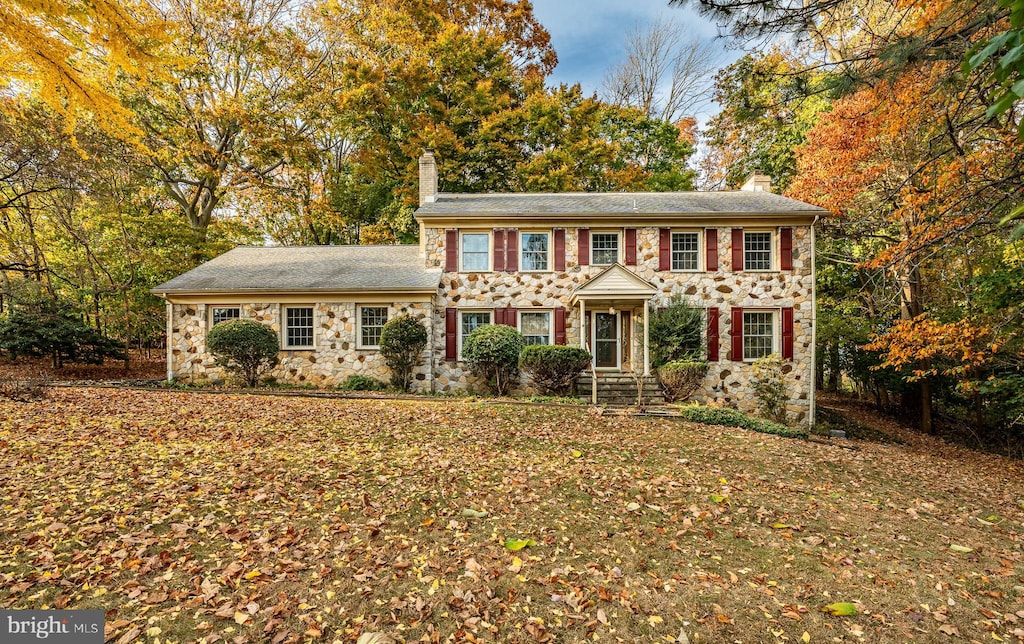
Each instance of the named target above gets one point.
<point>257,518</point>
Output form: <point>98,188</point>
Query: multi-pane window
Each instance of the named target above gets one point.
<point>535,326</point>
<point>298,324</point>
<point>685,256</point>
<point>469,320</point>
<point>758,334</point>
<point>371,323</point>
<point>604,248</point>
<point>757,251</point>
<point>535,251</point>
<point>475,252</point>
<point>220,314</point>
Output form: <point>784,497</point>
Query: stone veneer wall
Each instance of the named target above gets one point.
<point>333,359</point>
<point>727,381</point>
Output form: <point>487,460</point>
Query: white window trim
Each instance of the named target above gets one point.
<point>211,307</point>
<point>490,251</point>
<point>551,321</point>
<point>359,323</point>
<point>618,234</point>
<point>551,250</point>
<point>284,327</point>
<point>701,256</point>
<point>458,323</point>
<point>776,331</point>
<point>773,242</point>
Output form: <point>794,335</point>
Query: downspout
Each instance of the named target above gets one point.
<point>814,320</point>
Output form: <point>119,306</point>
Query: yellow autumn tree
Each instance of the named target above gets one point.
<point>67,51</point>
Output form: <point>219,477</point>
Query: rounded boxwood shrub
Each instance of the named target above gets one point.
<point>492,351</point>
<point>553,367</point>
<point>356,382</point>
<point>402,341</point>
<point>680,378</point>
<point>244,347</point>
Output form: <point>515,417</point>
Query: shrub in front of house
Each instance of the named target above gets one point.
<point>734,418</point>
<point>362,383</point>
<point>680,378</point>
<point>769,385</point>
<point>402,341</point>
<point>675,333</point>
<point>245,348</point>
<point>492,352</point>
<point>553,368</point>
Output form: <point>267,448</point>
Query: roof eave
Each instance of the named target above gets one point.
<point>164,292</point>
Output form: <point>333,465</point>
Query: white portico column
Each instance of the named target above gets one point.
<point>647,339</point>
<point>583,324</point>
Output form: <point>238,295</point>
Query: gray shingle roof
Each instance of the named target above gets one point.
<point>309,268</point>
<point>624,203</point>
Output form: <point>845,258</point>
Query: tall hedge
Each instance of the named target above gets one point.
<point>402,341</point>
<point>492,351</point>
<point>244,347</point>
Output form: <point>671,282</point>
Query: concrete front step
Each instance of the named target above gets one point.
<point>619,390</point>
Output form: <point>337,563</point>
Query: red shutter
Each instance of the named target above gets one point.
<point>584,246</point>
<point>559,263</point>
<point>451,251</point>
<point>560,325</point>
<point>631,247</point>
<point>713,335</point>
<point>511,319</point>
<point>711,246</point>
<point>665,249</point>
<point>737,249</point>
<point>512,250</point>
<point>499,249</point>
<point>786,248</point>
<point>499,316</point>
<point>737,334</point>
<point>787,333</point>
<point>451,326</point>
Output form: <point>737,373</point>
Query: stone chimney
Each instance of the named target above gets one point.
<point>428,177</point>
<point>756,182</point>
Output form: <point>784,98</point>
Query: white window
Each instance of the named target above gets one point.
<point>298,327</point>
<point>758,334</point>
<point>757,251</point>
<point>476,252</point>
<point>469,320</point>
<point>685,251</point>
<point>220,314</point>
<point>604,248</point>
<point>535,326</point>
<point>371,323</point>
<point>535,251</point>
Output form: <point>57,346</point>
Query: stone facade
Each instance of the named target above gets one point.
<point>334,357</point>
<point>728,380</point>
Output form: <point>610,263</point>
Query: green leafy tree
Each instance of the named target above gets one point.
<point>675,333</point>
<point>244,347</point>
<point>53,329</point>
<point>402,341</point>
<point>492,352</point>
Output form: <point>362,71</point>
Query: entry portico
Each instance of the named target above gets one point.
<point>611,298</point>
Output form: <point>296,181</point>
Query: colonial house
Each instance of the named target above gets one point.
<point>564,268</point>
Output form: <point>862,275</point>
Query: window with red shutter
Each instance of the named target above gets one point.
<point>665,249</point>
<point>559,259</point>
<point>451,334</point>
<point>736,336</point>
<point>451,251</point>
<point>560,325</point>
<point>630,247</point>
<point>787,333</point>
<point>737,249</point>
<point>713,337</point>
<point>499,250</point>
<point>711,248</point>
<point>512,250</point>
<point>786,249</point>
<point>583,244</point>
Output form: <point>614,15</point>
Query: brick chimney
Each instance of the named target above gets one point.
<point>428,177</point>
<point>757,182</point>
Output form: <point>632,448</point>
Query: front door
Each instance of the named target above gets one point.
<point>606,340</point>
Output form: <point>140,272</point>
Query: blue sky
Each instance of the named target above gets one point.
<point>589,35</point>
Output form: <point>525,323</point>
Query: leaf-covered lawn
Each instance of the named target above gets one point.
<point>190,516</point>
